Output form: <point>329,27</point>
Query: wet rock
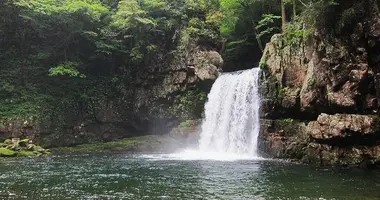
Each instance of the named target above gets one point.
<point>24,142</point>
<point>17,147</point>
<point>285,138</point>
<point>325,155</point>
<point>208,65</point>
<point>207,72</point>
<point>335,75</point>
<point>342,125</point>
<point>4,152</point>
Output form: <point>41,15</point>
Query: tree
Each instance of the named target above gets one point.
<point>283,15</point>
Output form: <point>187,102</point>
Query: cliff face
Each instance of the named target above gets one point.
<point>320,98</point>
<point>149,102</point>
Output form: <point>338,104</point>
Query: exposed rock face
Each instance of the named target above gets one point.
<point>18,127</point>
<point>342,126</point>
<point>332,85</point>
<point>343,140</point>
<point>208,65</point>
<point>141,106</point>
<point>283,138</point>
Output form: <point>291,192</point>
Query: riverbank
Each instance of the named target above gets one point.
<point>149,143</point>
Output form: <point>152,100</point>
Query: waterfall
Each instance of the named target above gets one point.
<point>232,123</point>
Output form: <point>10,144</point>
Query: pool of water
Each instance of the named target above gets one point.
<point>121,176</point>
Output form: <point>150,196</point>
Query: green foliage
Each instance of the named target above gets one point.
<point>190,105</point>
<point>92,8</point>
<point>294,36</point>
<point>267,25</point>
<point>245,28</point>
<point>315,13</point>
<point>287,121</point>
<point>66,69</point>
<point>60,58</point>
<point>186,124</point>
<point>131,15</point>
<point>280,92</point>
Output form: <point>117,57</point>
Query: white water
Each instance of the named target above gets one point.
<point>231,128</point>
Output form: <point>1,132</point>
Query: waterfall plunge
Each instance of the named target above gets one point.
<point>231,128</point>
<point>232,122</point>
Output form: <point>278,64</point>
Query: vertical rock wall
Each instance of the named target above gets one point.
<point>320,98</point>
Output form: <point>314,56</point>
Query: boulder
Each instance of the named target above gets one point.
<point>4,152</point>
<point>17,147</point>
<point>208,65</point>
<point>342,125</point>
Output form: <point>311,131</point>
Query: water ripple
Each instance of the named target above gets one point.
<point>167,177</point>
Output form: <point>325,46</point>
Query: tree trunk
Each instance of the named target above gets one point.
<point>258,39</point>
<point>283,15</point>
<point>294,9</point>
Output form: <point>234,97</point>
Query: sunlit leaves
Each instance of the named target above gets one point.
<point>66,69</point>
<point>267,25</point>
<point>93,8</point>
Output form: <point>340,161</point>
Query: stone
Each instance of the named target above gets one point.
<point>342,125</point>
<point>31,147</point>
<point>207,65</point>
<point>8,141</point>
<point>339,76</point>
<point>180,77</point>
<point>4,152</point>
<point>282,138</point>
<point>290,98</point>
<point>207,72</point>
<point>215,59</point>
<point>24,142</point>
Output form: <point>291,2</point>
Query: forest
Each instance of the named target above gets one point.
<point>189,99</point>
<point>61,54</point>
<point>73,70</point>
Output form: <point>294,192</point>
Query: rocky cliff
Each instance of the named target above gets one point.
<point>152,101</point>
<point>320,96</point>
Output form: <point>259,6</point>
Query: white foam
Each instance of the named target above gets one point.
<point>194,155</point>
<point>232,123</point>
<point>231,126</point>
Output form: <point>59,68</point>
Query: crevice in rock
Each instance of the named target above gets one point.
<point>353,139</point>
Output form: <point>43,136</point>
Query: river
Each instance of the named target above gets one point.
<point>124,176</point>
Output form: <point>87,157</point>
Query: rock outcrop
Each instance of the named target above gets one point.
<point>342,126</point>
<point>330,84</point>
<point>149,103</point>
<point>16,147</point>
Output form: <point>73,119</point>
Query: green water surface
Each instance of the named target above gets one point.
<point>121,176</point>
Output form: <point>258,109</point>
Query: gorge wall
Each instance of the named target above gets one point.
<point>153,102</point>
<point>321,95</point>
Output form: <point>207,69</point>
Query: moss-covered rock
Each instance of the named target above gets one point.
<point>16,147</point>
<point>7,141</point>
<point>4,152</point>
<point>26,153</point>
<point>24,142</point>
